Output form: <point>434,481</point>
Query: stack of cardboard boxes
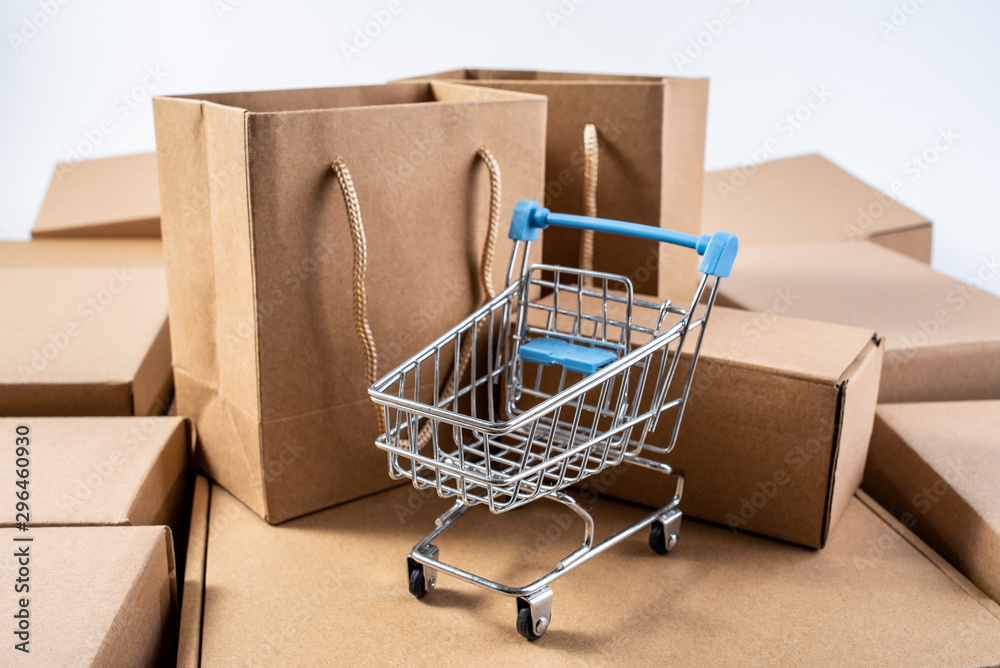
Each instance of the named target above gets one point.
<point>103,482</point>
<point>830,321</point>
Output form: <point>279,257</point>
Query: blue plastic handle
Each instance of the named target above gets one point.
<point>718,250</point>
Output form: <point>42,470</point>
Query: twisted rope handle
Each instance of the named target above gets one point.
<point>360,268</point>
<point>590,163</point>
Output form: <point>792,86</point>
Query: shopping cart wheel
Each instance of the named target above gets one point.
<point>663,532</point>
<point>421,578</point>
<point>534,612</point>
<point>417,586</point>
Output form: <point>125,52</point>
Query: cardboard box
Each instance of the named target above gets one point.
<point>96,596</point>
<point>121,471</point>
<point>805,199</point>
<point>81,253</point>
<point>776,427</point>
<point>651,134</point>
<point>258,250</point>
<point>942,335</point>
<point>935,466</point>
<point>110,197</point>
<point>83,334</point>
<point>331,588</point>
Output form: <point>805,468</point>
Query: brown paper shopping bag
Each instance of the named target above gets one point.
<point>641,159</point>
<point>259,258</point>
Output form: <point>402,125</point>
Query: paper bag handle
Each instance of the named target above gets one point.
<point>360,268</point>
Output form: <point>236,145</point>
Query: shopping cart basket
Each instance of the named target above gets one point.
<point>561,375</point>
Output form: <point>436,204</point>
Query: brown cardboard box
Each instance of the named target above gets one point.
<point>104,470</point>
<point>936,466</point>
<point>97,596</point>
<point>83,333</point>
<point>942,335</point>
<point>776,427</point>
<point>259,259</point>
<point>47,252</point>
<point>652,153</point>
<point>110,197</point>
<point>805,199</point>
<point>330,588</point>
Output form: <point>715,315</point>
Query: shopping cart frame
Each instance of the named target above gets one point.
<point>534,600</point>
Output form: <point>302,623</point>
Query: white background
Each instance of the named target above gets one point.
<point>899,71</point>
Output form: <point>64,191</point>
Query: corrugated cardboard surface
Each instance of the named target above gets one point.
<point>775,431</point>
<point>806,199</point>
<point>110,197</point>
<point>330,588</point>
<point>936,466</point>
<point>258,254</point>
<point>81,338</point>
<point>652,137</point>
<point>99,596</point>
<point>96,471</point>
<point>942,335</point>
<point>81,253</point>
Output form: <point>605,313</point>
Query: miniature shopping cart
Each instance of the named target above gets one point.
<point>562,375</point>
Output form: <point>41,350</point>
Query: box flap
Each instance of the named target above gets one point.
<point>801,199</point>
<point>937,465</point>
<point>107,197</point>
<point>101,470</point>
<point>856,408</point>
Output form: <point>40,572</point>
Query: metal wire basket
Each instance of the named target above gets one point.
<point>568,374</point>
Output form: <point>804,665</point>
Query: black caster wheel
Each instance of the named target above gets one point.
<point>418,587</point>
<point>663,538</point>
<point>534,612</point>
<point>524,625</point>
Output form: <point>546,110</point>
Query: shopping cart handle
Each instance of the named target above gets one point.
<point>718,250</point>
